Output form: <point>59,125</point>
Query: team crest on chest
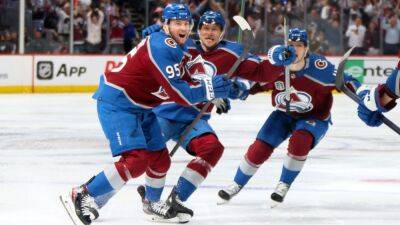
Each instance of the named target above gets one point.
<point>320,64</point>
<point>170,42</point>
<point>300,102</point>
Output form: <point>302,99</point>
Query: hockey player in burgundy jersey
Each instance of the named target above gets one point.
<point>312,79</point>
<point>217,56</point>
<point>379,99</point>
<point>149,75</point>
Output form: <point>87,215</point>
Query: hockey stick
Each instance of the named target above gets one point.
<point>341,85</point>
<point>247,32</point>
<point>287,72</point>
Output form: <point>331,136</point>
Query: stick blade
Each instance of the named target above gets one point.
<point>339,82</point>
<point>243,24</point>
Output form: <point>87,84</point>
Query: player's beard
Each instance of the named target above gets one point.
<point>178,37</point>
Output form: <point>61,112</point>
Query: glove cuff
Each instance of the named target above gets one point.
<point>380,91</point>
<point>270,54</point>
<point>207,84</point>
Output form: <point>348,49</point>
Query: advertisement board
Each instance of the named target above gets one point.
<point>80,73</point>
<point>15,74</point>
<point>368,70</point>
<point>69,73</point>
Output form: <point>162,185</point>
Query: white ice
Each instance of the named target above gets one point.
<point>49,143</point>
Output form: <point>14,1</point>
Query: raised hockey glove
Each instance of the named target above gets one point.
<point>223,105</point>
<point>150,29</point>
<point>280,55</point>
<point>240,89</point>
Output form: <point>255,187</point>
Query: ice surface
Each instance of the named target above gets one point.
<point>48,143</point>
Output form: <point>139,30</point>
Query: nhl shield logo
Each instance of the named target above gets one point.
<point>279,85</point>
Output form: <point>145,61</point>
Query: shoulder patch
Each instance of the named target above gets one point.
<point>170,42</point>
<point>321,64</point>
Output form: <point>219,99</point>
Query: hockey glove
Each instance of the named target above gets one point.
<point>223,105</point>
<point>369,108</point>
<point>240,89</point>
<point>215,87</point>
<point>150,29</point>
<point>280,55</point>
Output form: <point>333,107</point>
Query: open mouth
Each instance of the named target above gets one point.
<point>182,35</point>
<point>209,39</point>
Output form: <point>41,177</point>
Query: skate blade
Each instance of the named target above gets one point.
<point>180,218</point>
<point>221,201</point>
<point>274,204</point>
<point>68,206</point>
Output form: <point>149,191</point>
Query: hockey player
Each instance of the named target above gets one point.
<point>312,80</point>
<point>218,56</point>
<point>379,99</point>
<point>148,75</point>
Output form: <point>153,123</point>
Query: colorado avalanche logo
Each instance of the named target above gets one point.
<point>210,68</point>
<point>300,102</point>
<point>170,42</point>
<point>321,64</point>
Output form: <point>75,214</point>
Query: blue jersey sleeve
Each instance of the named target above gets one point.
<point>166,56</point>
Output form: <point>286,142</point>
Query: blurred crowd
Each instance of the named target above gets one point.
<point>114,26</point>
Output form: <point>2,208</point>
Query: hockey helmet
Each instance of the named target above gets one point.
<point>177,12</point>
<point>212,17</point>
<point>298,34</point>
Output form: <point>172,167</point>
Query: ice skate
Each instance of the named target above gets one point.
<point>279,194</point>
<point>160,212</point>
<point>225,195</point>
<point>80,206</point>
<point>184,213</point>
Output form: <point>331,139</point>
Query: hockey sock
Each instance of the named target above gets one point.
<point>258,152</point>
<point>208,151</point>
<point>291,168</point>
<point>155,175</point>
<point>188,182</point>
<point>105,185</point>
<point>299,145</point>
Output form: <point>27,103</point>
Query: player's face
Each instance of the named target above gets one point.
<point>301,50</point>
<point>179,30</point>
<point>210,35</point>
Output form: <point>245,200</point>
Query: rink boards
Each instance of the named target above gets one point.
<point>80,73</point>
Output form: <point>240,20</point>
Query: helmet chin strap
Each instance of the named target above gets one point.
<point>166,28</point>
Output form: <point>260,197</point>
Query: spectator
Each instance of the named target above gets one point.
<point>7,46</point>
<point>392,37</point>
<point>79,34</point>
<point>332,32</point>
<point>116,37</point>
<point>371,40</point>
<point>94,24</point>
<point>130,34</point>
<point>38,44</point>
<point>356,34</point>
<point>254,21</point>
